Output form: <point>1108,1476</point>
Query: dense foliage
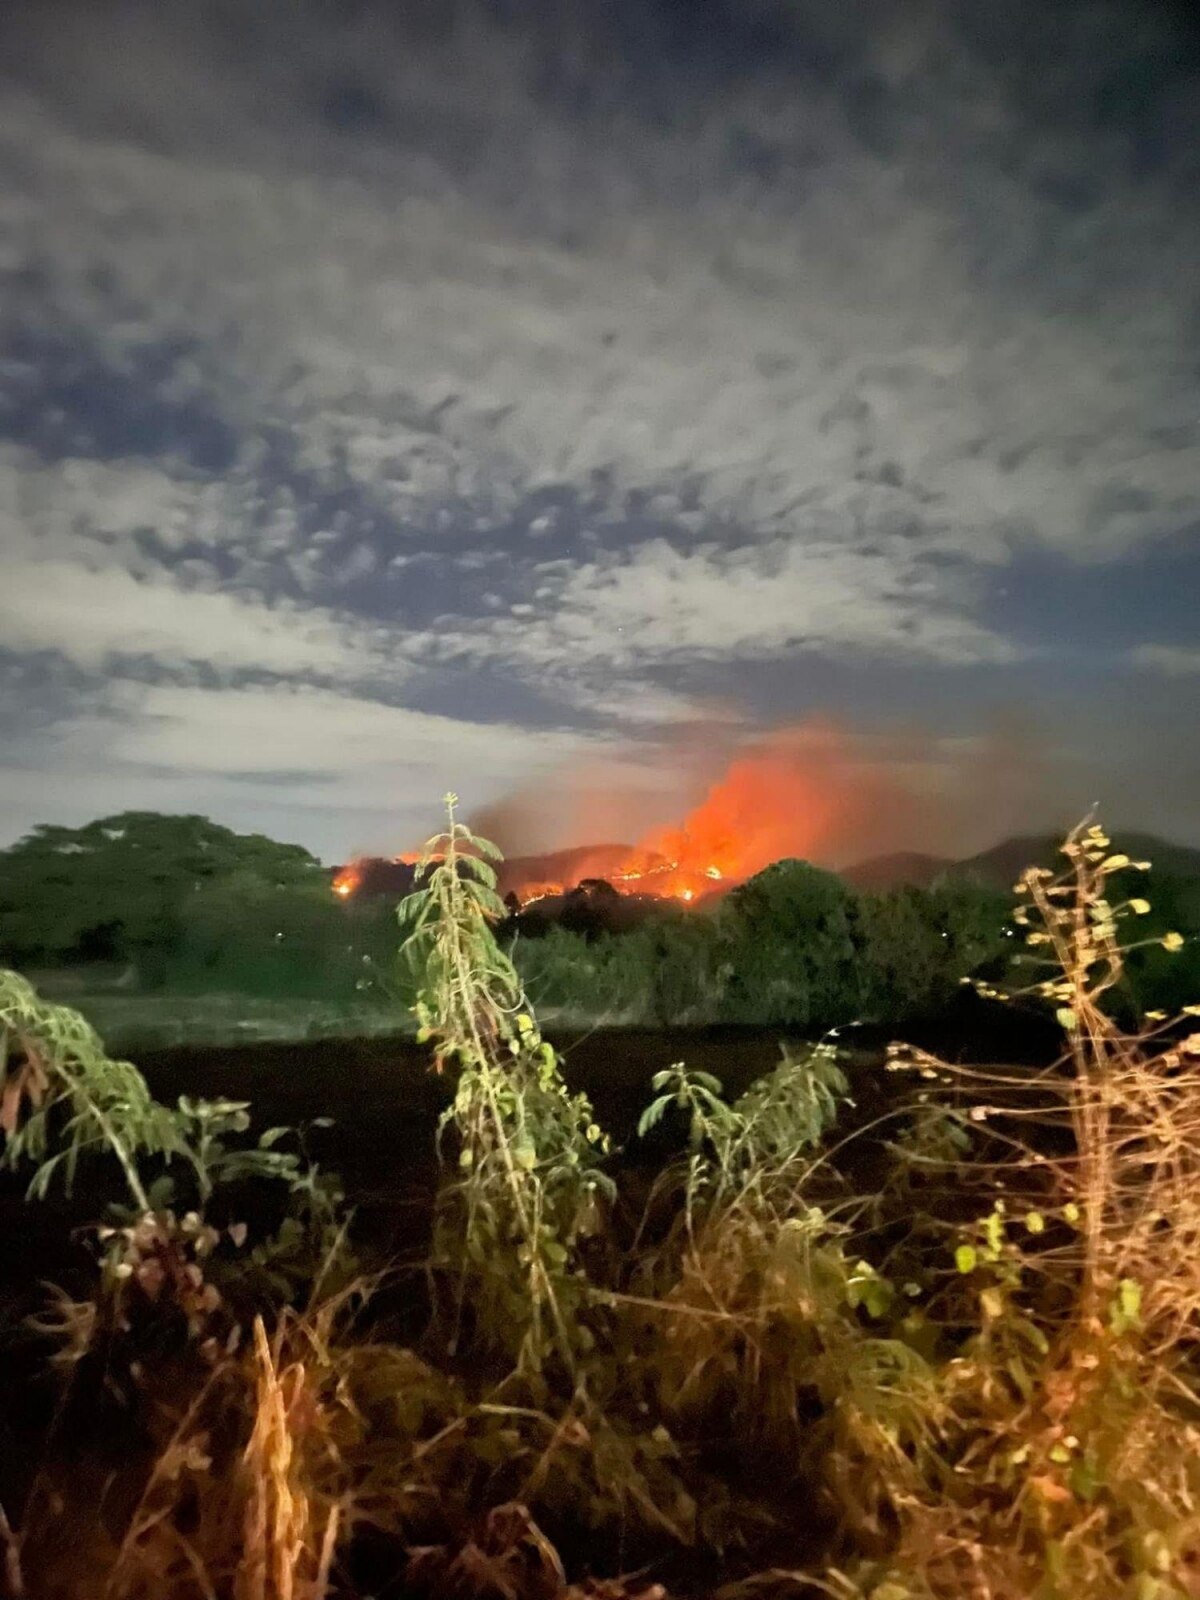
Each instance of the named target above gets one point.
<point>179,902</point>
<point>179,905</point>
<point>793,946</point>
<point>978,1377</point>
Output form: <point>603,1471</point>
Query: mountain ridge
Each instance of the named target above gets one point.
<point>1002,864</point>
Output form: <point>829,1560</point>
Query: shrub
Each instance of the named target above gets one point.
<point>789,943</point>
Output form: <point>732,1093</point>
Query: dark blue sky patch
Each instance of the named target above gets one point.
<point>1068,610</point>
<point>483,695</point>
<point>64,398</point>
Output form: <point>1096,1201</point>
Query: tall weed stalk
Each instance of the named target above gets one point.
<point>528,1152</point>
<point>1072,1433</point>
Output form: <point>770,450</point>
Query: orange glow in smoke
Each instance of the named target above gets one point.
<point>347,881</point>
<point>801,791</point>
<point>809,790</point>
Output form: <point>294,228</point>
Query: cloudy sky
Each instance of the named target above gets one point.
<point>472,392</point>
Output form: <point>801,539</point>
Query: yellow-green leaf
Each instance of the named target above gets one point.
<point>1125,1312</point>
<point>966,1259</point>
<point>1035,1222</point>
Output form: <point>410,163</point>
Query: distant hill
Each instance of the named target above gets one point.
<point>907,868</point>
<point>1003,864</point>
<point>574,883</point>
<point>563,868</point>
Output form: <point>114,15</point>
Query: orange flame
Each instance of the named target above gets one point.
<point>347,881</point>
<point>801,791</point>
<point>529,892</point>
<point>809,790</point>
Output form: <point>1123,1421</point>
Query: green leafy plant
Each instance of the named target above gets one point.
<point>59,1087</point>
<point>764,1313</point>
<point>62,1098</point>
<point>528,1151</point>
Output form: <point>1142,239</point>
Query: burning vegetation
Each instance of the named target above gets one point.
<point>634,872</point>
<point>644,873</point>
<point>810,791</point>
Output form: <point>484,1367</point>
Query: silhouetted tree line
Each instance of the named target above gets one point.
<point>793,946</point>
<point>182,904</point>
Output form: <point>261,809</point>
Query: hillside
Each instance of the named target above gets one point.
<point>905,867</point>
<point>1004,862</point>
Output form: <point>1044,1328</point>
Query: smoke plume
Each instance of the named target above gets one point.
<point>811,789</point>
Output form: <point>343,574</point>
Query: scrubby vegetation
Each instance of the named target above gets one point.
<point>793,946</point>
<point>947,1351</point>
<point>158,920</point>
<point>152,904</point>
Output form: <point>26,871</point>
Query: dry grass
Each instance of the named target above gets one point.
<point>1075,1408</point>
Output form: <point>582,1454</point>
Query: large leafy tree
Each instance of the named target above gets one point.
<point>920,943</point>
<point>792,948</point>
<point>119,888</point>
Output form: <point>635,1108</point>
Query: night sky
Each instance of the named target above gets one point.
<point>547,396</point>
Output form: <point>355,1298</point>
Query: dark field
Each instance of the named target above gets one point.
<point>384,1101</point>
<point>378,1103</point>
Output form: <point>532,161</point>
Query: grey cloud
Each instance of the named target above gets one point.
<point>1170,660</point>
<point>410,283</point>
<point>590,343</point>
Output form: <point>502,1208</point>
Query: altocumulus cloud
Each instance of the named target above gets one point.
<point>521,361</point>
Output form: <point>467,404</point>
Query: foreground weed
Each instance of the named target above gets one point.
<point>1074,1402</point>
<point>529,1180</point>
<point>64,1101</point>
<point>775,1340</point>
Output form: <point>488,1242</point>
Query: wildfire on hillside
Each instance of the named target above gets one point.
<point>369,876</point>
<point>642,874</point>
<point>778,799</point>
<point>808,790</point>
